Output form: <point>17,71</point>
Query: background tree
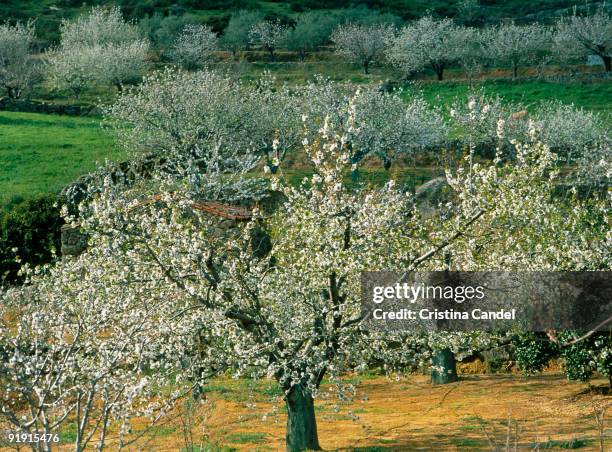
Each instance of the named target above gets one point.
<point>213,121</point>
<point>469,12</point>
<point>390,128</point>
<point>194,46</point>
<point>71,69</point>
<point>517,45</point>
<point>363,44</point>
<point>18,69</point>
<point>100,26</point>
<point>362,15</point>
<point>311,30</point>
<point>97,47</point>
<point>475,56</point>
<point>578,37</point>
<point>429,43</point>
<point>161,31</point>
<point>118,64</point>
<point>571,132</point>
<point>236,34</point>
<point>267,35</point>
<point>174,112</point>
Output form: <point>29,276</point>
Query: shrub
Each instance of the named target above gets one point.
<point>517,45</point>
<point>591,355</point>
<point>533,351</point>
<point>29,234</point>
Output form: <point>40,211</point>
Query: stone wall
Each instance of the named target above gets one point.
<point>31,106</point>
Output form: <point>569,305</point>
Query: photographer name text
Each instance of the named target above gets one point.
<point>419,292</point>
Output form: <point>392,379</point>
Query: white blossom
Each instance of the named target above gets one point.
<point>18,68</point>
<point>363,44</point>
<point>194,46</point>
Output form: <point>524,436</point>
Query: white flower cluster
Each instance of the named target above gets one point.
<point>98,47</point>
<point>194,46</point>
<point>161,293</point>
<point>18,68</point>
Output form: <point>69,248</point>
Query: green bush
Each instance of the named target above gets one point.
<point>533,351</point>
<point>582,359</point>
<point>29,233</point>
<point>593,354</point>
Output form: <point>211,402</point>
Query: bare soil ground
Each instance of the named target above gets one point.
<point>405,414</point>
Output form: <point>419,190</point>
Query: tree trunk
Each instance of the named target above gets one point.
<point>366,67</point>
<point>607,59</point>
<point>514,70</point>
<point>444,367</point>
<point>439,72</point>
<point>301,422</point>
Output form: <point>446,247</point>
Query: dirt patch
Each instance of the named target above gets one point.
<point>408,413</point>
<point>399,414</point>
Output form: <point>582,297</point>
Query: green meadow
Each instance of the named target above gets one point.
<point>42,153</point>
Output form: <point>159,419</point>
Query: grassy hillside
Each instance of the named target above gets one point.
<point>49,13</point>
<point>42,153</point>
<point>591,96</point>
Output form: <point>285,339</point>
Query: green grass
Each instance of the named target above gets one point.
<point>468,443</point>
<point>242,438</point>
<point>69,433</point>
<point>43,153</point>
<point>296,72</point>
<point>592,96</point>
<point>576,443</point>
<point>209,447</point>
<point>243,390</point>
<point>162,430</point>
